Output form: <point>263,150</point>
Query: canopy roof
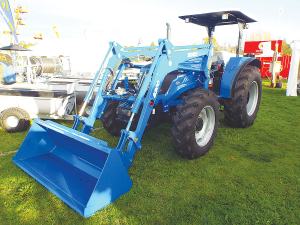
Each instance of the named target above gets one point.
<point>215,18</point>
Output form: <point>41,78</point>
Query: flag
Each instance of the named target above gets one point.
<point>56,32</point>
<point>6,13</point>
<point>38,36</point>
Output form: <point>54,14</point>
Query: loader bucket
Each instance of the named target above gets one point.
<point>81,170</point>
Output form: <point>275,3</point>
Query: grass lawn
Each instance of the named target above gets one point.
<point>249,176</point>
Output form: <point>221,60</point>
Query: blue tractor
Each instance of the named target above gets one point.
<point>185,85</point>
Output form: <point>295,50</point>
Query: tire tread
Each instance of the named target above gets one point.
<point>183,131</point>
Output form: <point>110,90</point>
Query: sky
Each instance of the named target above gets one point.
<point>127,21</point>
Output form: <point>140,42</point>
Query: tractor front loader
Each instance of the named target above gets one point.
<point>181,84</point>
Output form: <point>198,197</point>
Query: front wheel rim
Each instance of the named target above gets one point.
<point>205,125</point>
<point>252,98</point>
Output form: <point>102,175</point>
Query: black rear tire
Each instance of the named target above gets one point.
<point>109,119</point>
<point>15,120</point>
<point>242,109</point>
<point>195,123</point>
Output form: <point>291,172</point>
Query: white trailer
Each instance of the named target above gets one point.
<point>21,102</point>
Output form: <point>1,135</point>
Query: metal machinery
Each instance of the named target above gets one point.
<point>42,65</point>
<point>85,172</point>
<point>22,101</point>
<point>23,97</point>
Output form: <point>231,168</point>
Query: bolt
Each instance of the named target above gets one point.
<point>130,160</point>
<point>140,147</point>
<point>122,153</point>
<point>80,118</point>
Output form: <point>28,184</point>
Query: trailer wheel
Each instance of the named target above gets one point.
<point>15,120</point>
<point>195,123</point>
<point>109,119</point>
<point>241,110</point>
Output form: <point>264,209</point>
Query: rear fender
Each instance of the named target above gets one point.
<point>232,71</point>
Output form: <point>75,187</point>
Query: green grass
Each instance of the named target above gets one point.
<point>10,142</point>
<point>250,176</point>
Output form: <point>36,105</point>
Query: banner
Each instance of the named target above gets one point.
<point>257,46</point>
<point>291,88</point>
<point>6,13</point>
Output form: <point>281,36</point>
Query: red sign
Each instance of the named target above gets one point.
<point>257,46</point>
<point>285,65</point>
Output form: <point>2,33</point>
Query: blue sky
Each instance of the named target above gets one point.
<point>128,20</point>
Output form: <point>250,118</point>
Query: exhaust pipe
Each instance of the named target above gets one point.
<point>168,31</point>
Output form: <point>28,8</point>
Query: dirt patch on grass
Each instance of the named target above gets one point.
<point>5,153</point>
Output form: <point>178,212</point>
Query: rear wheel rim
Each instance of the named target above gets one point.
<point>205,126</point>
<point>12,121</point>
<point>252,98</point>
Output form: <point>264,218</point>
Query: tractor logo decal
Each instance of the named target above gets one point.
<point>185,79</point>
<point>156,89</point>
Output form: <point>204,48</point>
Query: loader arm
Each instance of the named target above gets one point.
<point>167,58</point>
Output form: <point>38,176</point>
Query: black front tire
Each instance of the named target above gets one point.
<point>15,120</point>
<point>195,123</point>
<point>242,109</point>
<point>109,119</point>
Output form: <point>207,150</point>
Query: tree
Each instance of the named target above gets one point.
<point>214,41</point>
<point>206,41</point>
<point>26,45</point>
<point>286,48</point>
<point>259,36</point>
<point>230,48</point>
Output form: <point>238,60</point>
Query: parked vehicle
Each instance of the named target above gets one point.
<point>183,84</point>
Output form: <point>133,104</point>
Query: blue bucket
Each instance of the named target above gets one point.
<point>81,170</point>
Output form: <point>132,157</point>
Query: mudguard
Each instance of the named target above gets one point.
<point>232,71</point>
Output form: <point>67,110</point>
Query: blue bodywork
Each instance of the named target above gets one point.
<point>85,172</point>
<point>7,73</point>
<point>232,71</point>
